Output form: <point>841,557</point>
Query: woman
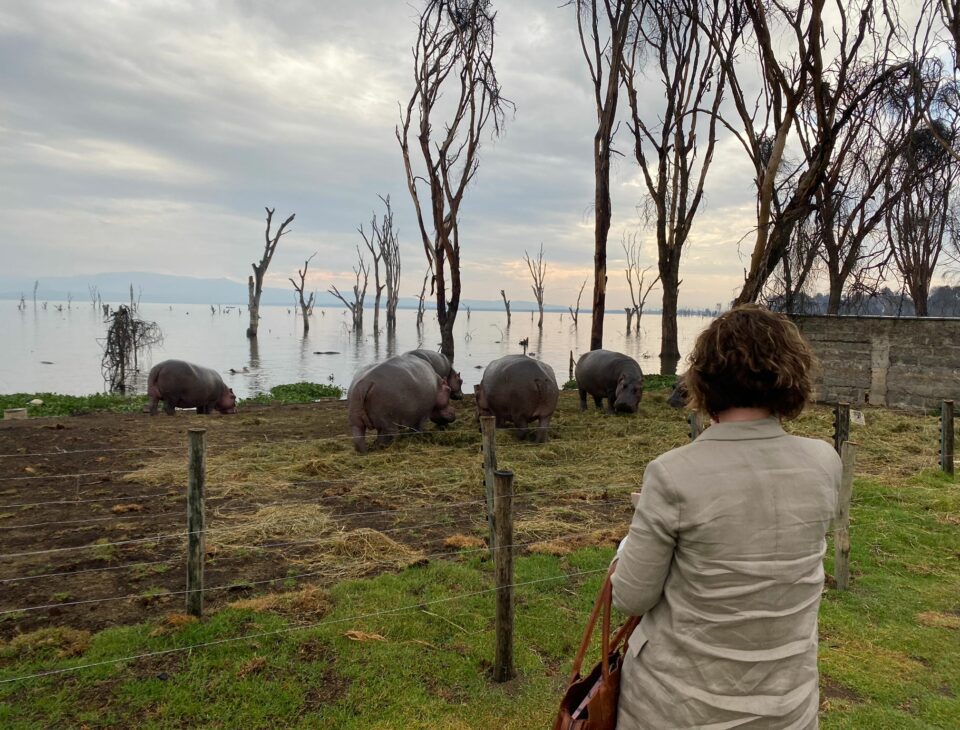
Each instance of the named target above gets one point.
<point>724,558</point>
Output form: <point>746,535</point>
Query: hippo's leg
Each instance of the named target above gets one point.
<point>544,424</point>
<point>201,410</point>
<point>385,437</point>
<point>359,440</point>
<point>154,402</point>
<point>598,399</point>
<point>169,408</point>
<point>583,399</point>
<point>521,424</point>
<point>610,401</point>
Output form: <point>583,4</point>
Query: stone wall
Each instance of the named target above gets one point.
<point>901,362</point>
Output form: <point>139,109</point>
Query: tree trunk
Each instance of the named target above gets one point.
<point>836,295</point>
<point>602,211</point>
<point>376,307</point>
<point>306,318</point>
<point>540,321</point>
<point>629,313</point>
<point>669,347</point>
<point>253,306</point>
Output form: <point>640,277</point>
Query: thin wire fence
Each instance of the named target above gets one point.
<point>292,629</point>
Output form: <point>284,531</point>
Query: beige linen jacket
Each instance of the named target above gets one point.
<point>724,561</point>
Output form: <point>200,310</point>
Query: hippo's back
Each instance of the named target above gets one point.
<point>602,365</point>
<point>437,360</point>
<point>518,381</point>
<point>400,389</point>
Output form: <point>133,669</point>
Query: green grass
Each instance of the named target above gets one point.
<point>889,649</point>
<point>297,393</point>
<point>56,404</point>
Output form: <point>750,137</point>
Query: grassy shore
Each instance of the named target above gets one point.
<point>57,404</point>
<point>412,647</point>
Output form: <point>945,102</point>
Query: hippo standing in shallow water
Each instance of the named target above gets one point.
<point>611,375</point>
<point>519,389</point>
<point>397,394</point>
<point>182,384</point>
<point>444,368</point>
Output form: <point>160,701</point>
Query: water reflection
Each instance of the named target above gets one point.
<point>51,350</point>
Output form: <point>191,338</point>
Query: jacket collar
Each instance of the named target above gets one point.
<point>764,428</point>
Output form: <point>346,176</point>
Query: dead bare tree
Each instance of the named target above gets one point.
<point>126,335</point>
<point>638,299</point>
<point>388,241</point>
<point>674,141</point>
<point>255,282</point>
<point>506,304</point>
<point>306,305</point>
<point>453,54</point>
<point>798,58</point>
<point>359,292</point>
<point>604,28</point>
<point>575,313</point>
<point>423,294</point>
<point>538,271</point>
<point>376,252</point>
<point>919,223</point>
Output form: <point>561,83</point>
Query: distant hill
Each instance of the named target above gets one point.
<point>167,289</point>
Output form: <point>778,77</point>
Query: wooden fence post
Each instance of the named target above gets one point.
<point>572,365</point>
<point>841,424</point>
<point>841,533</point>
<point>195,521</point>
<point>946,437</point>
<point>503,561</point>
<point>488,425</point>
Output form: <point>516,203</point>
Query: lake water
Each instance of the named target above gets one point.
<point>59,351</point>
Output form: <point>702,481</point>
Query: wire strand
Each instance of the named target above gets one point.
<point>291,629</point>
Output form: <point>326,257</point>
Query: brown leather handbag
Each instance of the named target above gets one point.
<point>590,702</point>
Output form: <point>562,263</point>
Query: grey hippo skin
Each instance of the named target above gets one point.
<point>182,384</point>
<point>443,367</point>
<point>518,389</point>
<point>397,394</point>
<point>611,375</point>
<point>679,397</point>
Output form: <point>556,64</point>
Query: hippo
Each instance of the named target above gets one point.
<point>611,375</point>
<point>519,389</point>
<point>679,397</point>
<point>399,393</point>
<point>182,384</point>
<point>444,368</point>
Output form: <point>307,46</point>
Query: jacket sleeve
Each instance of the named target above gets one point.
<point>647,551</point>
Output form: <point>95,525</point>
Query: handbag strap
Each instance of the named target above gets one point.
<point>588,631</point>
<point>604,602</point>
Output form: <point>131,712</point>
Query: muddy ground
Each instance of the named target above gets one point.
<point>93,507</point>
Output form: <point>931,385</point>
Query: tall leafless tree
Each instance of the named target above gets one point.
<point>306,305</point>
<point>423,295</point>
<point>538,272</point>
<point>638,299</point>
<point>453,54</point>
<point>388,241</point>
<point>506,305</point>
<point>361,270</point>
<point>255,282</point>
<point>604,28</point>
<point>799,59</point>
<point>919,223</point>
<point>575,312</point>
<point>376,253</point>
<point>674,140</point>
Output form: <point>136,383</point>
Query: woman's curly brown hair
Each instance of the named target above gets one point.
<point>750,357</point>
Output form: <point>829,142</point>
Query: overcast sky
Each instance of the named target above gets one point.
<point>149,135</point>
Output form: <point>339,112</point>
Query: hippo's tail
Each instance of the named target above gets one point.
<point>153,387</point>
<point>357,410</point>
